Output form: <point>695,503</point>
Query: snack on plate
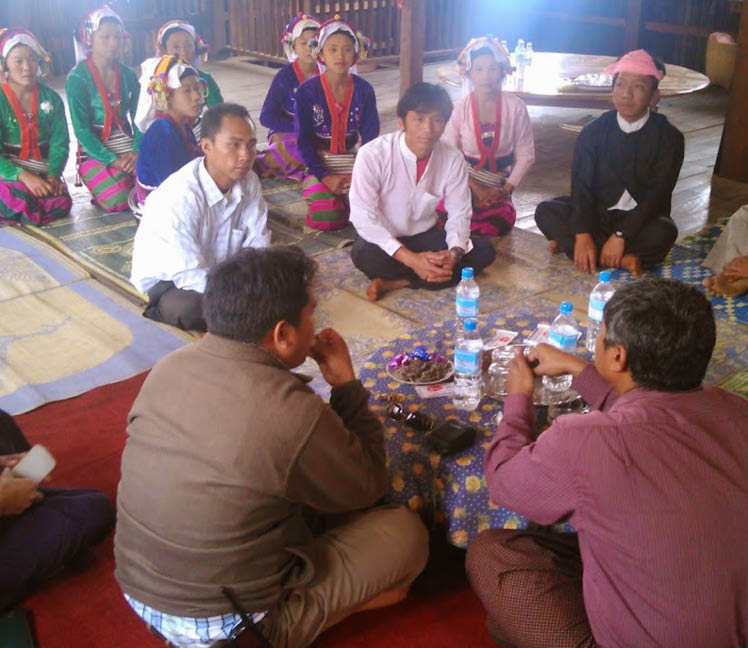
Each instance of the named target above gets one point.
<point>419,366</point>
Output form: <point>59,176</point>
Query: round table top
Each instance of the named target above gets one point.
<point>548,81</point>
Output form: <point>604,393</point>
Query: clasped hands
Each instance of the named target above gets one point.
<point>41,186</point>
<point>550,362</point>
<point>338,184</point>
<point>434,267</point>
<point>585,252</point>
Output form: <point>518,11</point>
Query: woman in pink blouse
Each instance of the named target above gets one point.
<point>494,133</point>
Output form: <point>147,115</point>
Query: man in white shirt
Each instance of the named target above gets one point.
<point>200,215</point>
<point>626,164</point>
<point>398,181</point>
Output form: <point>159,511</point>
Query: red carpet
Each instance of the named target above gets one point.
<point>86,609</point>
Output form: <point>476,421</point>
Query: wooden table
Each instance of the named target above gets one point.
<point>542,83</point>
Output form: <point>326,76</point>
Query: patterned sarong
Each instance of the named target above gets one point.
<point>109,187</point>
<point>281,158</point>
<point>19,205</point>
<point>326,210</point>
<point>494,220</point>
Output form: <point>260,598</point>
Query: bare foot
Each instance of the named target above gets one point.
<point>380,287</point>
<point>633,264</point>
<point>723,287</point>
<point>553,247</point>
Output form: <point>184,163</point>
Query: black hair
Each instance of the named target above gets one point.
<point>667,329</point>
<point>249,293</point>
<point>212,118</point>
<point>659,64</point>
<point>113,20</point>
<point>190,71</point>
<point>423,98</point>
<point>483,51</point>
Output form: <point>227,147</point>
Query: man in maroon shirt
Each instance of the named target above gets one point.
<point>654,479</point>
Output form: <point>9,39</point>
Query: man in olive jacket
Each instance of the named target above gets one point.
<point>232,462</point>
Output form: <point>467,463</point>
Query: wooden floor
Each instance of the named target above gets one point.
<point>699,198</point>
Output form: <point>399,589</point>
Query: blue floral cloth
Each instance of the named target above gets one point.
<point>444,490</point>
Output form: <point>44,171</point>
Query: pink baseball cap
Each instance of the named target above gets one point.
<point>636,62</point>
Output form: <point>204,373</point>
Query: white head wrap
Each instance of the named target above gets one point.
<point>151,86</point>
<point>465,62</point>
<point>11,37</point>
<point>83,39</point>
<point>201,49</point>
<point>293,30</point>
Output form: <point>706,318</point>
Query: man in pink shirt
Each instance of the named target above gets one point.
<point>654,479</point>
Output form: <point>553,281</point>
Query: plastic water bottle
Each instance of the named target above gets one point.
<point>466,302</point>
<point>519,53</point>
<point>468,366</point>
<point>598,298</point>
<point>564,334</point>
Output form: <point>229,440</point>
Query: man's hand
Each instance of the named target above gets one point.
<point>737,268</point>
<point>554,362</point>
<point>38,186</point>
<point>10,460</point>
<point>585,253</point>
<point>612,251</point>
<point>444,259</point>
<point>16,494</point>
<point>331,354</point>
<point>337,184</point>
<point>126,162</point>
<point>521,379</point>
<point>429,266</point>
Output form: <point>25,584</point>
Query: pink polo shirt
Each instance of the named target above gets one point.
<point>656,483</point>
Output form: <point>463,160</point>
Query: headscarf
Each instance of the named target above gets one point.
<point>293,30</point>
<point>83,39</point>
<point>361,44</point>
<point>636,62</point>
<point>9,38</point>
<point>201,48</point>
<point>465,61</point>
<point>159,76</point>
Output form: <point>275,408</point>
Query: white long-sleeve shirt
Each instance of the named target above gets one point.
<point>387,203</point>
<point>515,135</point>
<point>189,225</point>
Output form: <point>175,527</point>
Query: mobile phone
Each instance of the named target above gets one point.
<point>36,465</point>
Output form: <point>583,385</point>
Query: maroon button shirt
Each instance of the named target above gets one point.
<point>656,483</point>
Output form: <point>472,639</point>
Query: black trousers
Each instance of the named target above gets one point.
<point>175,306</point>
<point>375,263</point>
<point>651,244</point>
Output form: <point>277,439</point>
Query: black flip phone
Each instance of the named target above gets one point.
<point>451,437</point>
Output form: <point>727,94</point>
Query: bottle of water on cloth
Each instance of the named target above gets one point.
<point>563,335</point>
<point>466,302</point>
<point>468,367</point>
<point>599,296</point>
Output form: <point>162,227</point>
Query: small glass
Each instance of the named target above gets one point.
<point>495,383</point>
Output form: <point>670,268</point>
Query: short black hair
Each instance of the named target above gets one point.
<point>249,293</point>
<point>423,98</point>
<point>212,118</point>
<point>659,64</point>
<point>668,330</point>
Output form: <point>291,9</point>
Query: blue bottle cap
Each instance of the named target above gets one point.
<point>604,275</point>
<point>467,273</point>
<point>566,308</point>
<point>470,324</point>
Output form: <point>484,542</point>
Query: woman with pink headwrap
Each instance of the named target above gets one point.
<point>626,164</point>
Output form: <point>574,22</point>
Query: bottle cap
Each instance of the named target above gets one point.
<point>566,308</point>
<point>604,275</point>
<point>470,324</point>
<point>467,273</point>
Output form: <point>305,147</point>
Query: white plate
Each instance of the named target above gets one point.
<point>448,375</point>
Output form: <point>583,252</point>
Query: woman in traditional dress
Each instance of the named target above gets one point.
<point>179,38</point>
<point>282,158</point>
<point>494,132</point>
<point>333,112</point>
<point>33,135</point>
<point>171,99</point>
<point>103,97</point>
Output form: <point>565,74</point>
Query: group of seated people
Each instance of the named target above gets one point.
<point>251,510</point>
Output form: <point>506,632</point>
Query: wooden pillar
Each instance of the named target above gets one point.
<point>633,25</point>
<point>220,18</point>
<point>732,161</point>
<point>412,42</point>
